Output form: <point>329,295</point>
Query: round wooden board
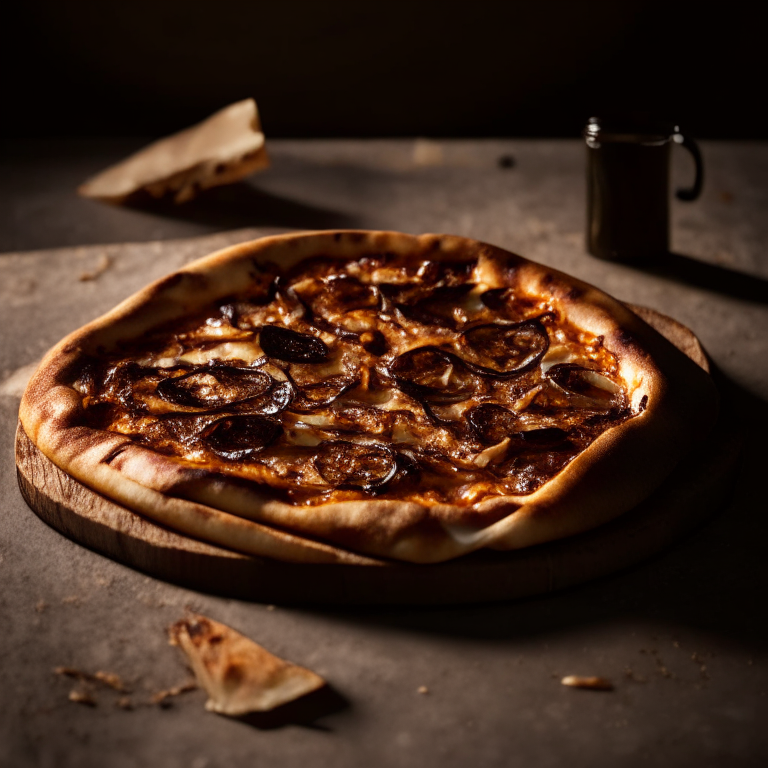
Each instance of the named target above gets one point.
<point>696,489</point>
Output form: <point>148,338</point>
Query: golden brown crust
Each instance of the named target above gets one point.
<point>674,401</point>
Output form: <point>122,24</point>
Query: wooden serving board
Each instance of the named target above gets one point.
<point>694,492</point>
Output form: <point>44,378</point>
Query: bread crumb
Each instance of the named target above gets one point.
<point>161,697</point>
<point>40,606</point>
<point>270,607</point>
<point>124,702</point>
<point>422,689</point>
<point>69,672</point>
<point>79,696</point>
<point>71,600</point>
<point>588,683</point>
<point>110,679</point>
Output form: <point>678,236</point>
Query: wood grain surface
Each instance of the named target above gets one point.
<point>694,492</point>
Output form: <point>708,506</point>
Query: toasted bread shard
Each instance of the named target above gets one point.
<point>238,674</point>
<point>224,148</point>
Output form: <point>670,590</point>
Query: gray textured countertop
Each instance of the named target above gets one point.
<point>682,636</point>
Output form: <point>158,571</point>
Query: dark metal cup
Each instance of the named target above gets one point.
<point>628,188</point>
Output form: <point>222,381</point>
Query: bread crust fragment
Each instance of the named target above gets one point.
<point>224,148</point>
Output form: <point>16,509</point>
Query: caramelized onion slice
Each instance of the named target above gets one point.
<point>589,386</point>
<point>374,342</point>
<point>335,296</point>
<point>356,466</point>
<point>505,350</point>
<point>323,393</point>
<point>275,401</point>
<point>491,423</point>
<point>528,471</point>
<point>495,298</point>
<point>292,346</point>
<point>213,386</point>
<point>287,297</point>
<point>239,437</point>
<point>433,374</point>
<point>437,308</point>
<point>341,293</point>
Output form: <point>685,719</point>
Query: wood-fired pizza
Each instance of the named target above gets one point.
<point>357,396</point>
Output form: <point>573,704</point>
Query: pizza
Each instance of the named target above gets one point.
<point>363,397</point>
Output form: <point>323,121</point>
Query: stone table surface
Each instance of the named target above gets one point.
<point>683,636</point>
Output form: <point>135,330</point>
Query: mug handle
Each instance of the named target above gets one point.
<point>698,183</point>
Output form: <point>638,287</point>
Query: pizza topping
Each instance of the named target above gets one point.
<point>587,387</point>
<point>491,423</point>
<point>238,437</point>
<point>374,342</point>
<point>323,393</point>
<point>292,346</point>
<point>495,298</point>
<point>214,386</point>
<point>342,305</point>
<point>336,295</point>
<point>433,374</point>
<point>525,472</point>
<point>496,426</point>
<point>352,465</point>
<point>170,428</point>
<point>279,397</point>
<point>335,380</point>
<point>506,350</point>
<point>492,453</point>
<point>443,305</point>
<point>353,419</point>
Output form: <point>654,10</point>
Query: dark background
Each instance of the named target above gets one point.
<point>381,69</point>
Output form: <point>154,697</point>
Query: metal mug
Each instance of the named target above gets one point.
<point>628,188</point>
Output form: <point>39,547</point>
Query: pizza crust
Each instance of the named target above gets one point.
<point>619,469</point>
